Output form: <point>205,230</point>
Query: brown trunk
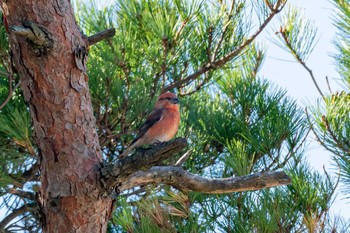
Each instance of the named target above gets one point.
<point>60,105</point>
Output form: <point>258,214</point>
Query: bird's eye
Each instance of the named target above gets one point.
<point>168,98</point>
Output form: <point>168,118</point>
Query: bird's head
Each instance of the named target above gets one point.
<point>167,100</point>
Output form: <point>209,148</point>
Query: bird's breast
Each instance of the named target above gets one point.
<point>166,128</point>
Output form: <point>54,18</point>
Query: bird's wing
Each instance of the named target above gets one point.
<point>152,119</point>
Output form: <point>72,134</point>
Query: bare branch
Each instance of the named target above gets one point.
<point>113,174</point>
<point>101,36</point>
<point>184,180</point>
<point>15,213</point>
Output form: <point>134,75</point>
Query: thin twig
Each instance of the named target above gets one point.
<point>164,65</point>
<point>334,137</point>
<point>199,86</point>
<point>183,158</point>
<point>289,155</point>
<point>314,130</point>
<point>297,57</point>
<point>224,30</point>
<point>11,90</point>
<point>210,40</point>
<point>328,85</point>
<point>180,30</point>
<point>329,178</point>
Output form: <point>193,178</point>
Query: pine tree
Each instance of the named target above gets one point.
<point>81,99</point>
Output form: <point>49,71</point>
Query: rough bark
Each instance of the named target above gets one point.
<point>51,66</point>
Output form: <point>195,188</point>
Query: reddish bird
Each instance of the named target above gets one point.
<point>161,125</point>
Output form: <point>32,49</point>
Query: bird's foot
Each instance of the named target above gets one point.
<point>156,143</point>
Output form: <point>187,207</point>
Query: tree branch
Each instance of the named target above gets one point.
<point>23,194</point>
<point>11,90</point>
<point>15,213</point>
<point>222,61</point>
<point>113,174</point>
<point>29,174</point>
<point>101,36</point>
<point>132,171</point>
<point>184,180</point>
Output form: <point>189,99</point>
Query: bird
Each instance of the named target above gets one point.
<point>161,125</point>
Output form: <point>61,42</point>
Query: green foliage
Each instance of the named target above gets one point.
<point>17,154</point>
<point>157,44</point>
<point>300,207</point>
<point>331,117</point>
<point>332,129</point>
<point>342,41</point>
<point>15,124</point>
<point>255,124</point>
<point>236,122</point>
<point>167,213</point>
<point>313,195</point>
<point>297,35</point>
<point>332,121</point>
<point>4,44</point>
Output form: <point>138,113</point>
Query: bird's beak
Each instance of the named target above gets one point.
<point>175,100</point>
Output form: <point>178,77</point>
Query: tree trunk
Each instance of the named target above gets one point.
<point>55,86</point>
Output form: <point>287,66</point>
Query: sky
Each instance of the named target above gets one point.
<point>282,69</point>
